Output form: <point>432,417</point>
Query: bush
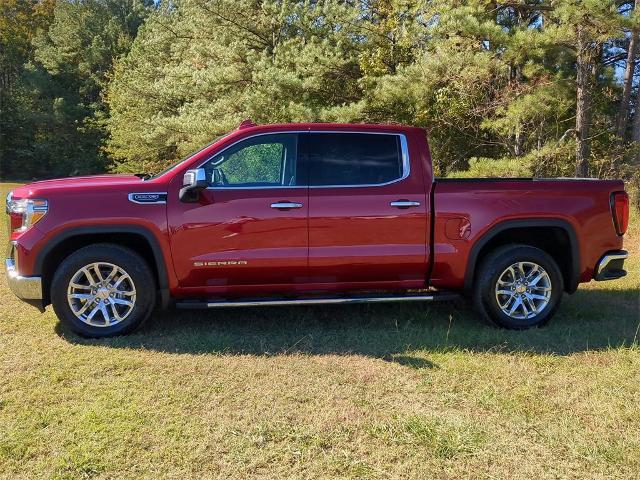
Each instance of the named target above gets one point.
<point>508,167</point>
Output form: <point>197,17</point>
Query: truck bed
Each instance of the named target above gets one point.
<point>579,209</point>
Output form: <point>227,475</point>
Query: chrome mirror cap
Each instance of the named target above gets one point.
<point>193,182</point>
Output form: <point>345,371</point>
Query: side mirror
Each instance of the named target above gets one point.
<point>193,182</point>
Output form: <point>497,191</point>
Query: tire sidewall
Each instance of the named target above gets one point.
<point>492,269</point>
<point>124,258</point>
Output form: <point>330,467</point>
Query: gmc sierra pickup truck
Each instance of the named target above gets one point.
<point>308,214</point>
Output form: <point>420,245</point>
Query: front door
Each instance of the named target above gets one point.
<point>250,225</point>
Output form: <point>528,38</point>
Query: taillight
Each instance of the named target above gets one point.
<point>620,211</point>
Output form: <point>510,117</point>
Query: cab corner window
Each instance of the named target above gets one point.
<point>260,161</point>
<point>352,159</point>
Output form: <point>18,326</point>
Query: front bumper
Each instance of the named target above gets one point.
<point>26,288</point>
<point>611,266</point>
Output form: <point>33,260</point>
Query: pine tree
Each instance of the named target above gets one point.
<point>510,87</point>
<point>587,24</point>
<point>20,21</point>
<point>198,68</point>
<point>73,61</point>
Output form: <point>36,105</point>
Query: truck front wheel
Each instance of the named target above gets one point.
<point>518,287</point>
<point>103,290</point>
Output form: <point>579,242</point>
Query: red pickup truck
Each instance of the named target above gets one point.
<point>307,214</point>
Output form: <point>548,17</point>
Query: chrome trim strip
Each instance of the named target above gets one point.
<point>607,259</point>
<point>265,187</point>
<point>307,301</point>
<point>12,254</point>
<point>404,149</point>
<point>25,288</point>
<point>8,200</point>
<point>131,199</point>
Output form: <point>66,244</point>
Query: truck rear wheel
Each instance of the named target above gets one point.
<point>103,290</point>
<point>518,287</point>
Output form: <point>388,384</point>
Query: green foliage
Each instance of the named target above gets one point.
<point>134,85</point>
<point>20,21</point>
<point>253,163</point>
<point>198,68</point>
<point>54,121</point>
<point>491,167</point>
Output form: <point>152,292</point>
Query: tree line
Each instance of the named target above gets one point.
<point>506,88</point>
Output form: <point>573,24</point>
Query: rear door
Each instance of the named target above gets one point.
<point>367,211</point>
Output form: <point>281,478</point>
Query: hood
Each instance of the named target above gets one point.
<point>43,187</point>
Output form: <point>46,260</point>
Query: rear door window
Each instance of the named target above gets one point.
<point>352,159</point>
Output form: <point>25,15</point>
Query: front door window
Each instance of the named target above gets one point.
<point>260,161</point>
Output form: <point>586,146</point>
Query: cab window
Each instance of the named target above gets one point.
<point>260,161</point>
<point>352,159</point>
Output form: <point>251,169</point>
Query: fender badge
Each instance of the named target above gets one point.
<point>148,197</point>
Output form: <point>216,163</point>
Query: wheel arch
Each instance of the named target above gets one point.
<point>139,239</point>
<point>555,236</point>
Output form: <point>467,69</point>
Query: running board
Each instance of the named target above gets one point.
<point>436,296</point>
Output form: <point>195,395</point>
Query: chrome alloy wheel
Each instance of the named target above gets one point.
<point>523,290</point>
<point>101,294</point>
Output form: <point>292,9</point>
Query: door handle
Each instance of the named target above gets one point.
<point>404,204</point>
<point>286,205</point>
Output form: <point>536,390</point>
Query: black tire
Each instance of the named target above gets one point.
<point>135,267</point>
<point>491,269</point>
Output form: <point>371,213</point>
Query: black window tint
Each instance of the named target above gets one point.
<point>352,158</point>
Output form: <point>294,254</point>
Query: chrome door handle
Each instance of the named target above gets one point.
<point>404,204</point>
<point>286,205</point>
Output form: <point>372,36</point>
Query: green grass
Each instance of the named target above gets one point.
<point>379,391</point>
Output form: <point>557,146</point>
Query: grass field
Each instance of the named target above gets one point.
<point>381,391</point>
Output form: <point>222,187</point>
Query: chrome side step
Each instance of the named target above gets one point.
<point>271,302</point>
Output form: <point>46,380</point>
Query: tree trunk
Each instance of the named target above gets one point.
<point>586,69</point>
<point>623,111</point>
<point>518,146</point>
<point>635,133</point>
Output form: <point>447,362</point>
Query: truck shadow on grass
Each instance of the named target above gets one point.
<point>589,320</point>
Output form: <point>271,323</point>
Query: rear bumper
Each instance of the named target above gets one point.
<point>26,288</point>
<point>611,266</point>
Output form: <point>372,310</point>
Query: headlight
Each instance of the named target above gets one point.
<point>25,212</point>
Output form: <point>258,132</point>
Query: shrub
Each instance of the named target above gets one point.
<point>507,167</point>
